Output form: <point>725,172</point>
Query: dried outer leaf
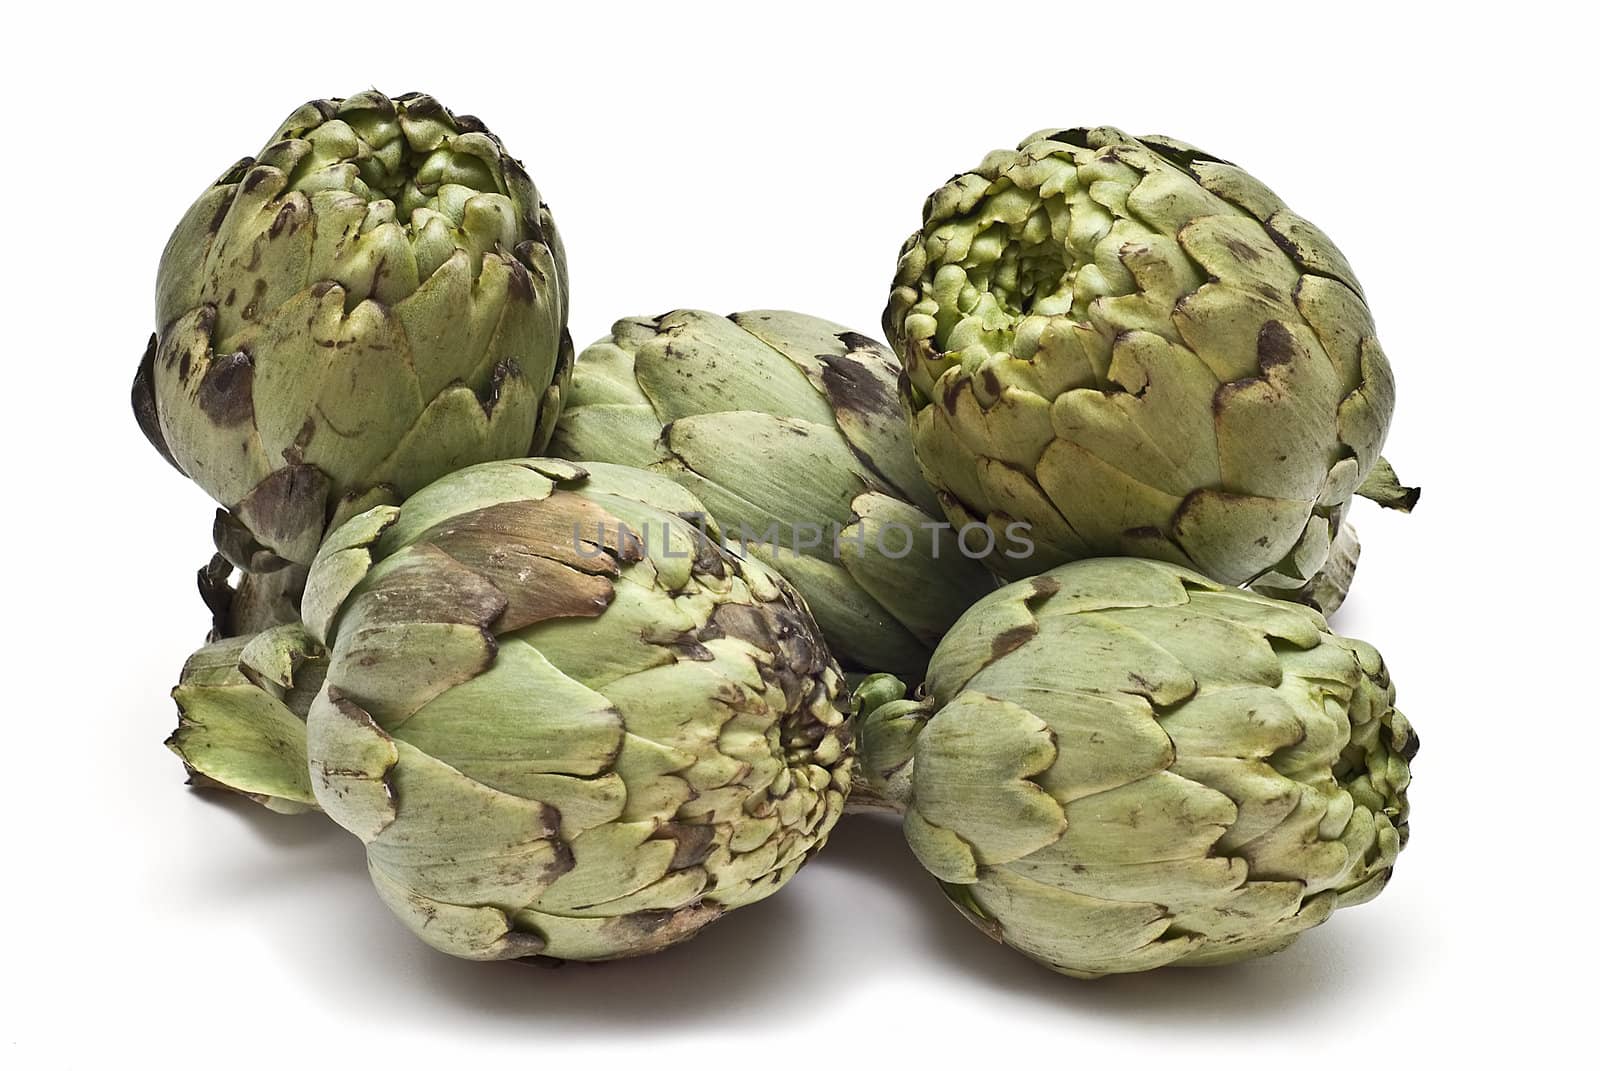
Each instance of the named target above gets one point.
<point>241,716</point>
<point>1383,487</point>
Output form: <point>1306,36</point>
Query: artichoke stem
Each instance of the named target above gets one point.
<point>254,602</point>
<point>887,727</point>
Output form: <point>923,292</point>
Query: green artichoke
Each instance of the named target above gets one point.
<point>1133,348</point>
<point>1120,764</point>
<point>242,706</point>
<point>376,299</point>
<point>787,427</point>
<point>563,720</point>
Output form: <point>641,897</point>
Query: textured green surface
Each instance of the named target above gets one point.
<point>786,424</point>
<point>242,706</point>
<point>1120,764</point>
<point>1137,349</point>
<point>377,298</point>
<point>582,747</point>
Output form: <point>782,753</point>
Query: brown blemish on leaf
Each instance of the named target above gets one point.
<point>218,217</point>
<point>854,340</point>
<point>693,843</point>
<point>225,394</point>
<point>239,545</point>
<point>215,591</point>
<point>642,932</point>
<point>143,397</point>
<point>1011,639</point>
<point>287,220</point>
<point>550,558</point>
<point>256,176</point>
<point>1242,250</point>
<point>686,646</point>
<point>489,397</point>
<point>428,586</point>
<point>851,386</point>
<point>953,386</point>
<point>708,559</point>
<point>520,286</point>
<point>286,506</point>
<point>423,106</point>
<point>782,628</point>
<point>1274,345</point>
<point>1044,587</point>
<point>259,291</point>
<point>1408,750</point>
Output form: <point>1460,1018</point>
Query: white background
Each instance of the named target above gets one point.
<point>737,158</point>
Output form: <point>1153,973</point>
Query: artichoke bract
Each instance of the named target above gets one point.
<point>788,428</point>
<point>1120,764</point>
<point>1134,348</point>
<point>376,299</point>
<point>242,705</point>
<point>562,719</point>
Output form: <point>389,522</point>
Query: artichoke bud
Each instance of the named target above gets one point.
<point>1131,347</point>
<point>377,298</point>
<point>564,721</point>
<point>789,428</point>
<point>1121,764</point>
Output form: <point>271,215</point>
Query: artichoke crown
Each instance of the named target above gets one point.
<point>1136,348</point>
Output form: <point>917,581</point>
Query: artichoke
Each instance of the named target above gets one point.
<point>788,429</point>
<point>1134,348</point>
<point>563,721</point>
<point>1120,764</point>
<point>376,299</point>
<point>242,704</point>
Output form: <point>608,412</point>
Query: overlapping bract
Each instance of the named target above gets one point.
<point>1137,349</point>
<point>376,299</point>
<point>788,429</point>
<point>1120,764</point>
<point>563,721</point>
<point>242,704</point>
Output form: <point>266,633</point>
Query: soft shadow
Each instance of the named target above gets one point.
<point>277,863</point>
<point>762,959</point>
<point>287,832</point>
<point>863,908</point>
<point>759,960</point>
<point>1341,960</point>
